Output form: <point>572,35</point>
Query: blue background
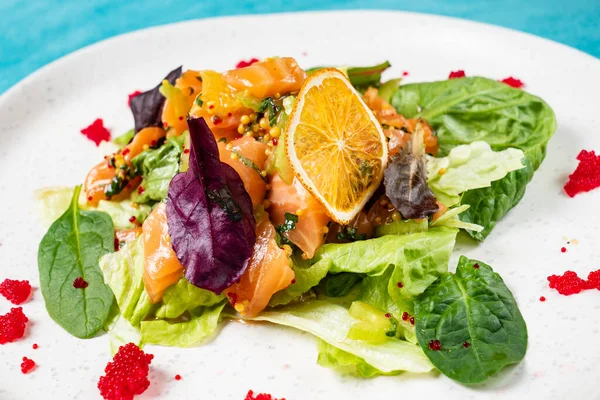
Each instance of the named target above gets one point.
<point>36,32</point>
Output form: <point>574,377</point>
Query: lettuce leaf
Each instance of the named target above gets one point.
<point>450,219</point>
<point>419,258</point>
<point>120,212</point>
<point>200,327</point>
<point>122,332</point>
<point>346,363</point>
<point>52,202</point>
<point>467,167</point>
<point>331,323</point>
<point>158,167</point>
<point>183,296</point>
<point>470,109</point>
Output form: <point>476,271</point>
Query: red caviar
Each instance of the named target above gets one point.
<point>131,96</point>
<point>262,396</point>
<point>126,375</point>
<point>593,281</point>
<point>563,249</point>
<point>248,63</point>
<point>16,292</point>
<point>80,283</point>
<point>567,284</point>
<point>412,320</point>
<point>186,151</point>
<point>35,346</point>
<point>435,345</point>
<point>141,189</point>
<point>404,73</point>
<point>27,365</point>
<point>400,285</point>
<point>514,82</point>
<point>404,316</point>
<point>587,175</point>
<point>466,344</point>
<point>293,281</point>
<point>12,325</point>
<point>457,74</point>
<point>96,132</point>
<point>132,219</point>
<point>542,298</point>
<point>177,377</point>
<point>476,266</point>
<point>116,244</point>
<point>388,315</point>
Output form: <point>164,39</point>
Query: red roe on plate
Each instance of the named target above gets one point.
<point>593,280</point>
<point>435,345</point>
<point>567,284</point>
<point>126,375</point>
<point>587,175</point>
<point>27,365</point>
<point>243,64</point>
<point>12,325</point>
<point>457,74</point>
<point>16,292</point>
<point>131,96</point>
<point>79,283</point>
<point>262,396</point>
<point>514,82</point>
<point>96,132</point>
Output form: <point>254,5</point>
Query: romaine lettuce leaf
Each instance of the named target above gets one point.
<point>122,332</point>
<point>450,219</point>
<point>121,212</point>
<point>201,326</point>
<point>419,258</point>
<point>158,167</point>
<point>467,167</point>
<point>331,323</point>
<point>183,296</point>
<point>346,363</point>
<point>466,110</point>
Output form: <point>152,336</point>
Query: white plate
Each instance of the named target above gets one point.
<point>40,145</point>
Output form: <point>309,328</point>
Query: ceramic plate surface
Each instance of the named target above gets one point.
<point>40,145</point>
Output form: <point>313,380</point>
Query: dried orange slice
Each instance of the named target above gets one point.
<point>335,144</point>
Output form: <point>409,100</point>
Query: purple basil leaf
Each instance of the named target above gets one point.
<point>210,216</point>
<point>147,107</point>
<point>405,181</point>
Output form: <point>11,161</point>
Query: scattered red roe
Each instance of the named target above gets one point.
<point>132,219</point>
<point>140,189</point>
<point>466,344</point>
<point>131,96</point>
<point>80,283</point>
<point>177,377</point>
<point>567,284</point>
<point>248,63</point>
<point>186,151</point>
<point>593,281</point>
<point>542,298</point>
<point>27,365</point>
<point>12,325</point>
<point>404,73</point>
<point>262,396</point>
<point>400,285</point>
<point>476,266</point>
<point>435,345</point>
<point>388,315</point>
<point>514,82</point>
<point>563,249</point>
<point>126,375</point>
<point>457,74</point>
<point>16,292</point>
<point>35,346</point>
<point>412,320</point>
<point>274,141</point>
<point>293,281</point>
<point>404,316</point>
<point>96,132</point>
<point>587,175</point>
<point>117,244</point>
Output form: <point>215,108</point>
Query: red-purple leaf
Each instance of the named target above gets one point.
<point>147,107</point>
<point>210,216</point>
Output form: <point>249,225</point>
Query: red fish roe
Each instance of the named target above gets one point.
<point>243,64</point>
<point>514,82</point>
<point>35,346</point>
<point>80,283</point>
<point>117,244</point>
<point>132,219</point>
<point>16,292</point>
<point>563,249</point>
<point>466,344</point>
<point>177,377</point>
<point>388,315</point>
<point>412,320</point>
<point>140,189</point>
<point>542,298</point>
<point>12,325</point>
<point>126,375</point>
<point>293,281</point>
<point>457,74</point>
<point>476,266</point>
<point>262,396</point>
<point>400,285</point>
<point>587,175</point>
<point>593,280</point>
<point>96,132</point>
<point>186,151</point>
<point>233,298</point>
<point>435,345</point>
<point>27,365</point>
<point>131,96</point>
<point>404,316</point>
<point>567,284</point>
<point>404,73</point>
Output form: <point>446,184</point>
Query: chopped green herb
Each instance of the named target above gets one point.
<point>350,233</point>
<point>199,101</point>
<point>268,106</point>
<point>223,140</point>
<point>290,224</point>
<point>250,164</point>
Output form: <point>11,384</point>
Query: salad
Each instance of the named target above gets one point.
<point>322,199</point>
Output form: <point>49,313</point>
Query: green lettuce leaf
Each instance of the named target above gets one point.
<point>466,110</point>
<point>346,363</point>
<point>419,258</point>
<point>183,296</point>
<point>124,139</point>
<point>122,332</point>
<point>331,323</point>
<point>120,212</point>
<point>200,327</point>
<point>52,202</point>
<point>451,219</point>
<point>469,166</point>
<point>158,167</point>
<point>488,205</point>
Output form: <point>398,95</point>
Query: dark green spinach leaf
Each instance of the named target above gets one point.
<point>72,248</point>
<point>476,321</point>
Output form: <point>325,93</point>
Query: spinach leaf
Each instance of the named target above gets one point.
<point>488,205</point>
<point>473,320</point>
<point>70,249</point>
<point>339,285</point>
<point>465,110</point>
